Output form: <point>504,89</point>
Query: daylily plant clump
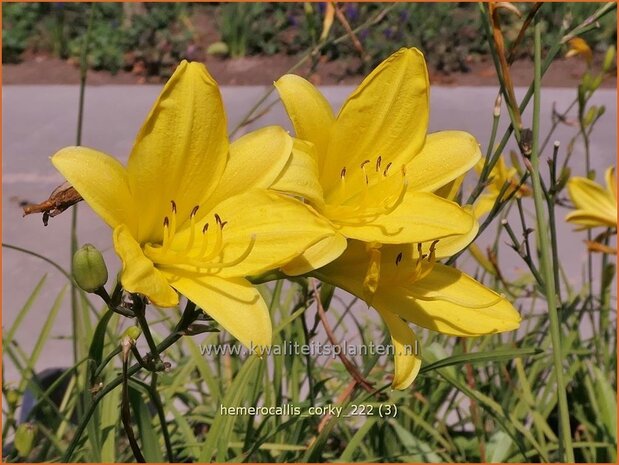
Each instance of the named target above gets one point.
<point>357,200</point>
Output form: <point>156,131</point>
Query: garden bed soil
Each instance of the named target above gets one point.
<point>262,70</point>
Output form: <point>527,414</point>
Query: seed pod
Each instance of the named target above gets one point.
<point>89,270</point>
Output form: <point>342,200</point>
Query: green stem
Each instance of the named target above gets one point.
<point>125,414</point>
<point>189,315</point>
<point>156,400</point>
<point>75,320</point>
<point>139,310</point>
<point>135,368</point>
<point>566,452</point>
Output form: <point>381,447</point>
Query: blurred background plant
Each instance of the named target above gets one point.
<point>150,37</point>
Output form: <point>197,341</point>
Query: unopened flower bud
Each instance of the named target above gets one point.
<point>89,270</point>
<point>133,333</point>
<point>12,397</point>
<point>24,439</point>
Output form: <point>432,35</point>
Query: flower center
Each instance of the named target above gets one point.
<point>194,245</point>
<point>419,266</point>
<point>408,269</point>
<point>365,193</point>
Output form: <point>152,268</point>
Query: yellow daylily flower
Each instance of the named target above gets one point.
<point>377,167</point>
<point>595,206</point>
<point>184,219</point>
<point>385,182</point>
<point>406,284</point>
<point>499,175</point>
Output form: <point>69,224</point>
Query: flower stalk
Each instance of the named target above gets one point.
<point>566,452</point>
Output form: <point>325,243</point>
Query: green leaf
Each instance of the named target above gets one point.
<point>142,418</point>
<point>218,437</point>
<point>497,449</point>
<point>494,356</point>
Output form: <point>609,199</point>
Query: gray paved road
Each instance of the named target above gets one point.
<point>38,120</point>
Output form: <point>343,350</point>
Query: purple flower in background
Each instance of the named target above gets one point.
<point>405,15</point>
<point>389,33</point>
<point>363,34</point>
<point>352,11</point>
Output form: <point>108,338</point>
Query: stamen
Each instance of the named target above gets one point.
<point>204,241</point>
<point>378,162</point>
<point>166,233</point>
<point>192,227</point>
<point>343,173</point>
<point>367,181</point>
<point>237,260</point>
<point>398,259</point>
<point>218,240</point>
<point>387,168</point>
<point>173,220</point>
<point>417,270</point>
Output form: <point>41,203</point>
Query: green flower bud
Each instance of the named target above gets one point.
<point>89,270</point>
<point>609,59</point>
<point>133,333</point>
<point>24,439</point>
<point>12,397</point>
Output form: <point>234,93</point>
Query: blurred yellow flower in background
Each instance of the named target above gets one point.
<point>579,47</point>
<point>595,205</point>
<point>499,175</point>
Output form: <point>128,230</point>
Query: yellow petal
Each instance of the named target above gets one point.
<point>589,219</point>
<point>139,275</point>
<point>263,231</point>
<point>256,160</point>
<point>407,359</point>
<point>101,180</point>
<point>233,303</point>
<point>484,204</point>
<point>181,150</point>
<point>310,113</point>
<point>578,46</point>
<point>446,300</point>
<point>445,156</point>
<point>451,245</point>
<point>420,217</point>
<point>593,199</point>
<point>387,116</point>
<point>450,302</point>
<point>300,175</point>
<point>316,256</point>
<point>450,190</point>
